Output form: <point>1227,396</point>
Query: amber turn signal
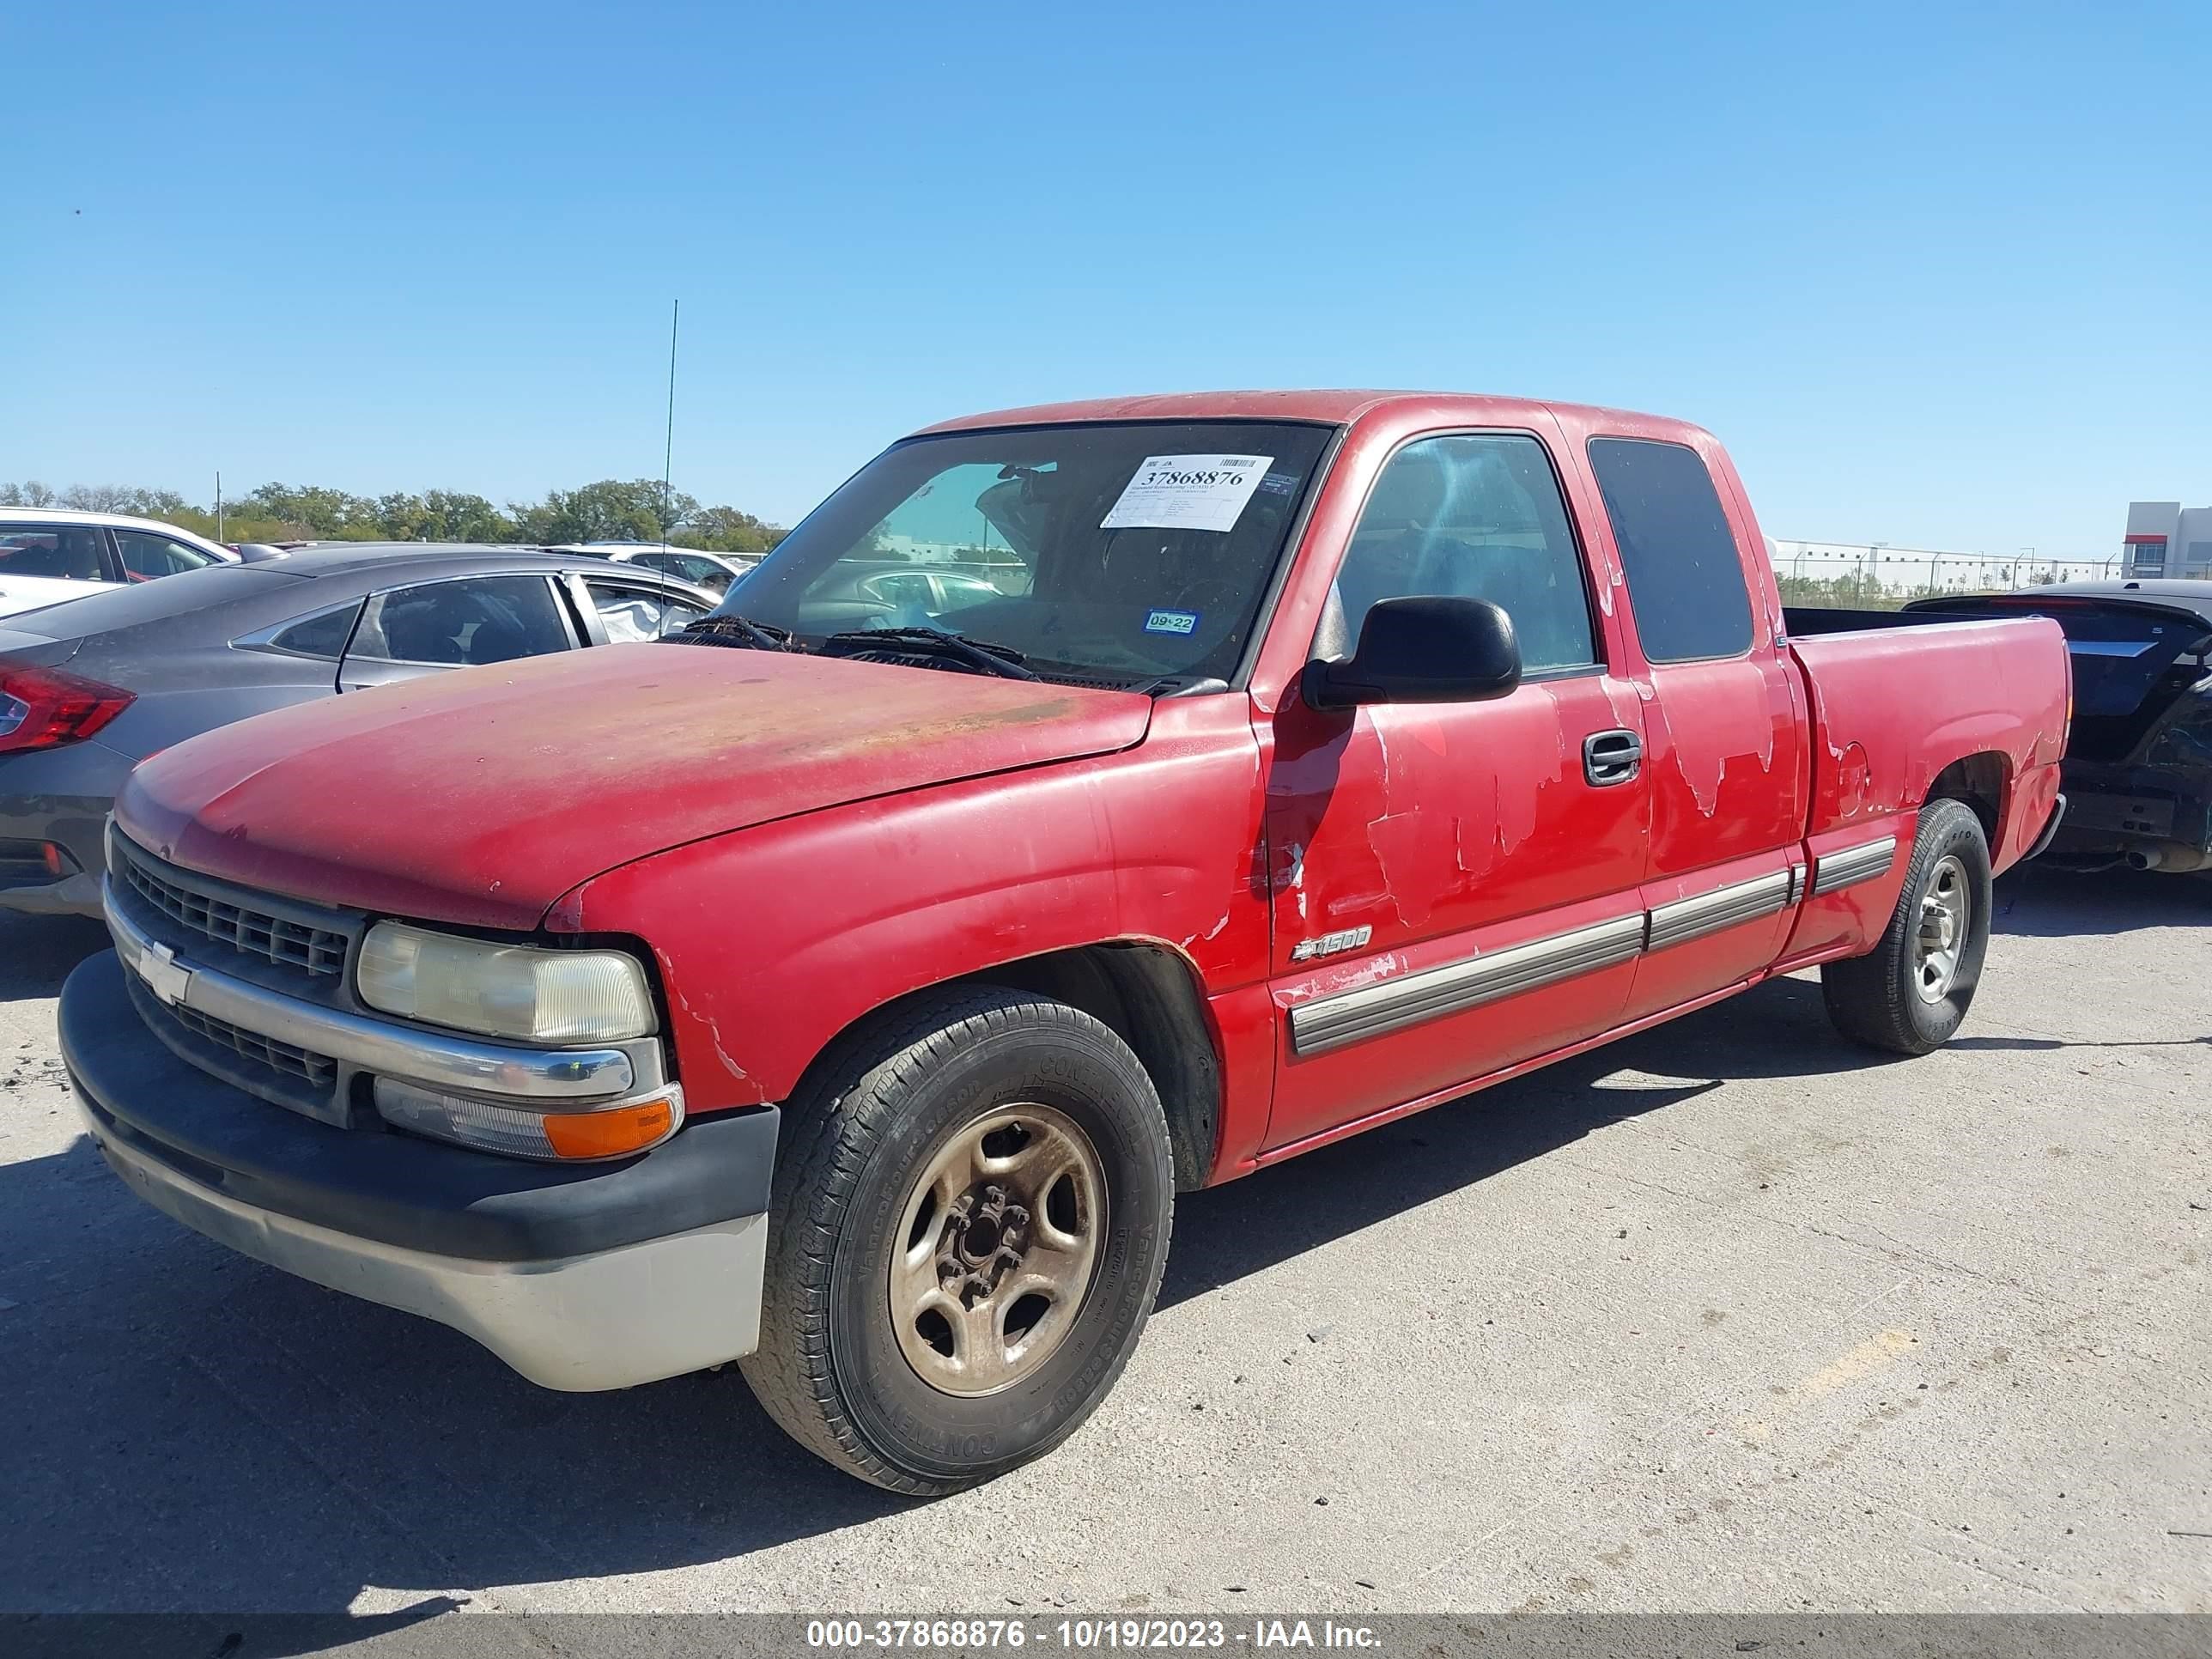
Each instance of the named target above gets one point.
<point>612,1132</point>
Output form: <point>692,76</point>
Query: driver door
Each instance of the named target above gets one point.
<point>1455,886</point>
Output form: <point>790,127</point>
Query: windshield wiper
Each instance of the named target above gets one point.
<point>741,633</point>
<point>1000,660</point>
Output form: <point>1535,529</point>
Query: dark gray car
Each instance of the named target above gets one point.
<point>91,687</point>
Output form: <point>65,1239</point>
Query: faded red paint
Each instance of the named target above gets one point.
<point>800,840</point>
<point>480,797</point>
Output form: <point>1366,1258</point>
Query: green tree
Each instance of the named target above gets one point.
<point>727,530</point>
<point>610,510</point>
<point>442,515</point>
<point>315,511</point>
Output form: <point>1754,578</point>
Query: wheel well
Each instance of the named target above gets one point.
<point>1979,780</point>
<point>1145,995</point>
<point>1148,997</point>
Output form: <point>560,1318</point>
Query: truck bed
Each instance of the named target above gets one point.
<point>1872,679</point>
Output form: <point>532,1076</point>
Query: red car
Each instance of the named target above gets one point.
<point>847,989</point>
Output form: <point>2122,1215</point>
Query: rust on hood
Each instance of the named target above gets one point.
<point>481,796</point>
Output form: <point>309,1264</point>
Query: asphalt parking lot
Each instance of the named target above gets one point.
<point>1728,1317</point>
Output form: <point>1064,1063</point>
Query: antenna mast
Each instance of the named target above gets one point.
<point>668,449</point>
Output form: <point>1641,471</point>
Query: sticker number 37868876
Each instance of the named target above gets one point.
<point>1187,492</point>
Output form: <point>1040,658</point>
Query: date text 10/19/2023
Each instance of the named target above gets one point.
<point>1085,1634</point>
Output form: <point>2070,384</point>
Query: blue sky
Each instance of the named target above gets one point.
<point>1938,278</point>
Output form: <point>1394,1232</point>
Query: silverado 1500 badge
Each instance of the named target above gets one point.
<point>1328,945</point>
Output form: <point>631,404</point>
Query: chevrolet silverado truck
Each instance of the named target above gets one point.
<point>1084,805</point>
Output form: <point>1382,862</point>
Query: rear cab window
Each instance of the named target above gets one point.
<point>1685,580</point>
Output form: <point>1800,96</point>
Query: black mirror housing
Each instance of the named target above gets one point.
<point>1427,647</point>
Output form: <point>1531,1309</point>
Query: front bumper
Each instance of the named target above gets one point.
<point>580,1277</point>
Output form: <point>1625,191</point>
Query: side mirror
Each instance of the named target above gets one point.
<point>1431,647</point>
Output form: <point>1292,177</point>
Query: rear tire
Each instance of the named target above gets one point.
<point>1910,993</point>
<point>968,1223</point>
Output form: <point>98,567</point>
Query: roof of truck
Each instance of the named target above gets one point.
<point>1335,408</point>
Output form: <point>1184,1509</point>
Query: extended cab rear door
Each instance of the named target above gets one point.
<point>1454,885</point>
<point>1724,712</point>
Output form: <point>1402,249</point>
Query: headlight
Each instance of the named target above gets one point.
<point>504,990</point>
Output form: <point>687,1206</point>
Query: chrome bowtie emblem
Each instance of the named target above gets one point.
<point>164,976</point>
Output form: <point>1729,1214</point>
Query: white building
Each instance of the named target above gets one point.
<point>2165,539</point>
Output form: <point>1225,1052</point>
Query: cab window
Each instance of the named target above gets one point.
<point>1478,515</point>
<point>1685,580</point>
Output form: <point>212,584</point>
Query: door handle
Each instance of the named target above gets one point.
<point>1611,758</point>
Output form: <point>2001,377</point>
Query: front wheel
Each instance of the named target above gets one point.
<point>1910,993</point>
<point>970,1219</point>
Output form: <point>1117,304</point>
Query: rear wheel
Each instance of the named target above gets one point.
<point>1910,993</point>
<point>970,1218</point>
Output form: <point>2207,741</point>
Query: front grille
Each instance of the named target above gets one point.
<point>320,950</point>
<point>319,1072</point>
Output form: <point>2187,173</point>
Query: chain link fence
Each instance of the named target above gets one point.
<point>1877,577</point>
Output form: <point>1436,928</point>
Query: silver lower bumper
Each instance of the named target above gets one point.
<point>611,1319</point>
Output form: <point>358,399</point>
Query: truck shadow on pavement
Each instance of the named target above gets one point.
<point>1780,1028</point>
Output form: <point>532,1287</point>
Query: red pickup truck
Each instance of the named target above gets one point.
<point>1084,805</point>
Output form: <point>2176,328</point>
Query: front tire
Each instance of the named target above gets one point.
<point>1910,993</point>
<point>970,1218</point>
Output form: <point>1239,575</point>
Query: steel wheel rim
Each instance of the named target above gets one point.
<point>995,1249</point>
<point>1939,943</point>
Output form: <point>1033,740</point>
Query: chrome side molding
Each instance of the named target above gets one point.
<point>1354,1015</point>
<point>1724,907</point>
<point>1853,864</point>
<point>1371,1011</point>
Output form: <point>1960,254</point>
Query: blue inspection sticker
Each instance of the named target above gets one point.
<point>1171,622</point>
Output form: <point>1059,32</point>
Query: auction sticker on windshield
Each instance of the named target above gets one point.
<point>1187,492</point>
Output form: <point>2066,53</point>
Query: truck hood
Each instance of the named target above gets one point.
<point>480,797</point>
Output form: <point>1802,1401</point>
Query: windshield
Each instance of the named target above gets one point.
<point>1120,553</point>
